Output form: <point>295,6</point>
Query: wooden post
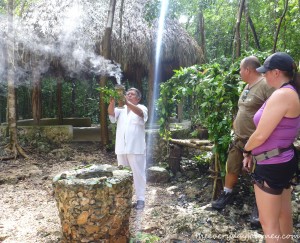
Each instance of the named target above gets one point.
<point>36,95</point>
<point>180,111</point>
<point>150,90</point>
<point>106,51</point>
<point>218,183</point>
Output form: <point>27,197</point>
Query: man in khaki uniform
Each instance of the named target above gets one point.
<point>255,93</point>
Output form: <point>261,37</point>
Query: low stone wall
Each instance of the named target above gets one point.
<point>157,147</point>
<point>55,134</point>
<point>73,121</point>
<point>94,204</point>
<point>87,134</point>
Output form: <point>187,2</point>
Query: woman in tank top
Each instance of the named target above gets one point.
<point>270,146</point>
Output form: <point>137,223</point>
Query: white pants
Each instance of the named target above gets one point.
<point>137,163</point>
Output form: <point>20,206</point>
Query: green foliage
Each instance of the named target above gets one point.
<point>210,96</point>
<point>144,238</point>
<point>107,92</point>
<point>80,98</point>
<point>151,10</point>
<point>2,7</point>
<point>203,158</point>
<point>85,101</point>
<point>19,6</point>
<point>220,20</point>
<point>175,9</point>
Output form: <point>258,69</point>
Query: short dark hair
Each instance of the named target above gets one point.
<point>251,62</point>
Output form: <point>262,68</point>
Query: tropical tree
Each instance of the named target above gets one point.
<point>286,2</point>
<point>200,31</point>
<point>13,145</point>
<point>237,39</point>
<point>36,92</point>
<point>263,24</point>
<point>106,52</point>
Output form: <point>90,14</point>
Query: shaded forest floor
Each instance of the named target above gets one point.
<point>178,211</point>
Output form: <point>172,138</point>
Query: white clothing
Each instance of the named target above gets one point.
<point>137,163</point>
<point>131,145</point>
<point>130,137</point>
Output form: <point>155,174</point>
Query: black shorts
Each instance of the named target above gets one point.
<point>276,176</point>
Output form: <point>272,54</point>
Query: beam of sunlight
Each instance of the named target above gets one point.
<point>163,11</point>
<point>157,67</point>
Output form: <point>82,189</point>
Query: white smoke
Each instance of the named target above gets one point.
<point>66,33</point>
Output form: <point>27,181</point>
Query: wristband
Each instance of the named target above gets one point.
<point>247,152</point>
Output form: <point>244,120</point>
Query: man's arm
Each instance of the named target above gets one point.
<point>111,107</point>
<point>134,108</point>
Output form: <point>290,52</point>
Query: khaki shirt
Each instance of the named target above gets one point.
<point>249,102</point>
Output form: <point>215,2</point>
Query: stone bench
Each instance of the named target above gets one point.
<point>73,121</point>
<point>56,134</point>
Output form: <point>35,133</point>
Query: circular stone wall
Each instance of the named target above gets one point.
<point>94,204</point>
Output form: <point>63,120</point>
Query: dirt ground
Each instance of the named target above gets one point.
<point>178,211</point>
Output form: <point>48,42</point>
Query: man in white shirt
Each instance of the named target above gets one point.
<point>130,145</point>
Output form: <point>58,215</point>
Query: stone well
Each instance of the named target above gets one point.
<point>94,204</point>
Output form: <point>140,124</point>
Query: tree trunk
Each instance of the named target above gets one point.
<point>279,24</point>
<point>200,34</point>
<point>246,25</point>
<point>254,32</point>
<point>23,4</point>
<point>36,96</point>
<point>231,47</point>
<point>17,90</point>
<point>237,30</point>
<point>59,99</point>
<point>138,78</point>
<point>11,96</point>
<point>180,111</point>
<point>121,20</point>
<point>150,90</point>
<point>218,183</point>
<point>106,51</point>
<point>73,97</point>
<point>2,101</point>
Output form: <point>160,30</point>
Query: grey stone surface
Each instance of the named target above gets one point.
<point>94,203</point>
<point>156,174</point>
